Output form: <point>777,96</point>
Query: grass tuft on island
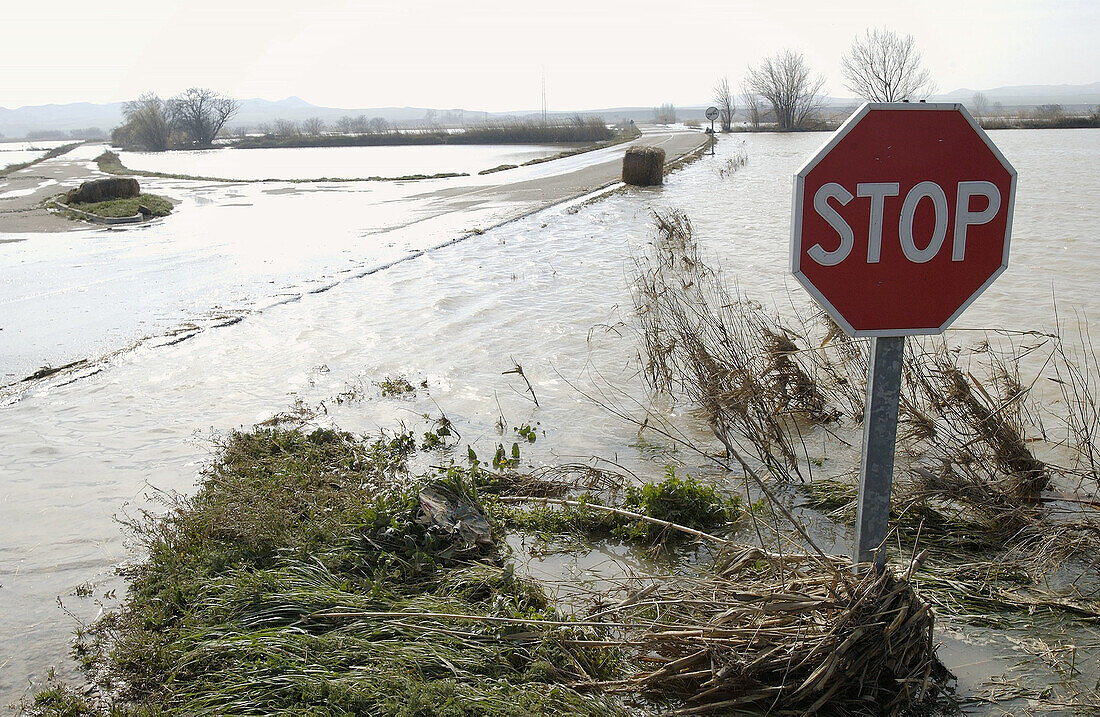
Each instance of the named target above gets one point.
<point>158,206</point>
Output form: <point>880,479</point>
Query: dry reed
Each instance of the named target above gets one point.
<point>787,634</point>
<point>968,421</point>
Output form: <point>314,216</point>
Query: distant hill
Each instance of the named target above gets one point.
<point>1032,95</point>
<point>17,123</point>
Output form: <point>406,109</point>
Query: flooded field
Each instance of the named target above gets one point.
<point>26,151</point>
<point>550,292</point>
<point>337,162</point>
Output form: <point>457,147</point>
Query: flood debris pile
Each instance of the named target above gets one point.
<point>786,634</point>
<point>312,572</point>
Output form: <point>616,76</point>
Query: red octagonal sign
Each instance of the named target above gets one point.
<point>902,218</point>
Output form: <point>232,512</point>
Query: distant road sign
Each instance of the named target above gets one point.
<point>902,219</point>
<point>712,113</point>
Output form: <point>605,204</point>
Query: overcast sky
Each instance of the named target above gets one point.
<point>490,55</point>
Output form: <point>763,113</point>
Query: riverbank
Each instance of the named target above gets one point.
<point>111,163</point>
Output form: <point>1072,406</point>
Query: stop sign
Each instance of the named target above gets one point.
<point>902,218</point>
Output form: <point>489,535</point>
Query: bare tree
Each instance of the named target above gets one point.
<point>146,125</point>
<point>665,114</point>
<point>200,114</point>
<point>285,128</point>
<point>313,126</point>
<point>723,99</point>
<point>345,125</point>
<point>980,104</point>
<point>752,106</point>
<point>785,82</point>
<point>885,67</point>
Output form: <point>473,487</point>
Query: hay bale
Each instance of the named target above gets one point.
<point>644,166</point>
<point>101,190</point>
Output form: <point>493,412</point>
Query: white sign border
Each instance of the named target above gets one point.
<point>797,209</point>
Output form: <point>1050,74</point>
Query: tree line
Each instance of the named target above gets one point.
<point>192,119</point>
<point>881,66</point>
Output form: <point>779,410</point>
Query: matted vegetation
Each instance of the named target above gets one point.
<point>314,573</point>
<point>157,205</point>
<point>303,576</point>
<point>969,421</point>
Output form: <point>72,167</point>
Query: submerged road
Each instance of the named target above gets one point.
<point>23,192</point>
<point>76,455</point>
<point>71,293</point>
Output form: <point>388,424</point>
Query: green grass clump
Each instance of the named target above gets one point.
<point>159,206</point>
<point>302,578</point>
<point>683,501</point>
<point>395,386</point>
<point>59,700</point>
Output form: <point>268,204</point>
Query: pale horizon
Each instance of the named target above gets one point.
<point>492,56</point>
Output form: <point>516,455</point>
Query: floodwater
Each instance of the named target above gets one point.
<point>337,162</point>
<point>26,151</point>
<point>549,292</point>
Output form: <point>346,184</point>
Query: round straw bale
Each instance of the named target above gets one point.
<point>101,190</point>
<point>644,166</point>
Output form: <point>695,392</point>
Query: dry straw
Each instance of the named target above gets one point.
<point>788,634</point>
<point>644,166</point>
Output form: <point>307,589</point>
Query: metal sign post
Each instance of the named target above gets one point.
<point>876,468</point>
<point>712,114</point>
<point>898,223</point>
